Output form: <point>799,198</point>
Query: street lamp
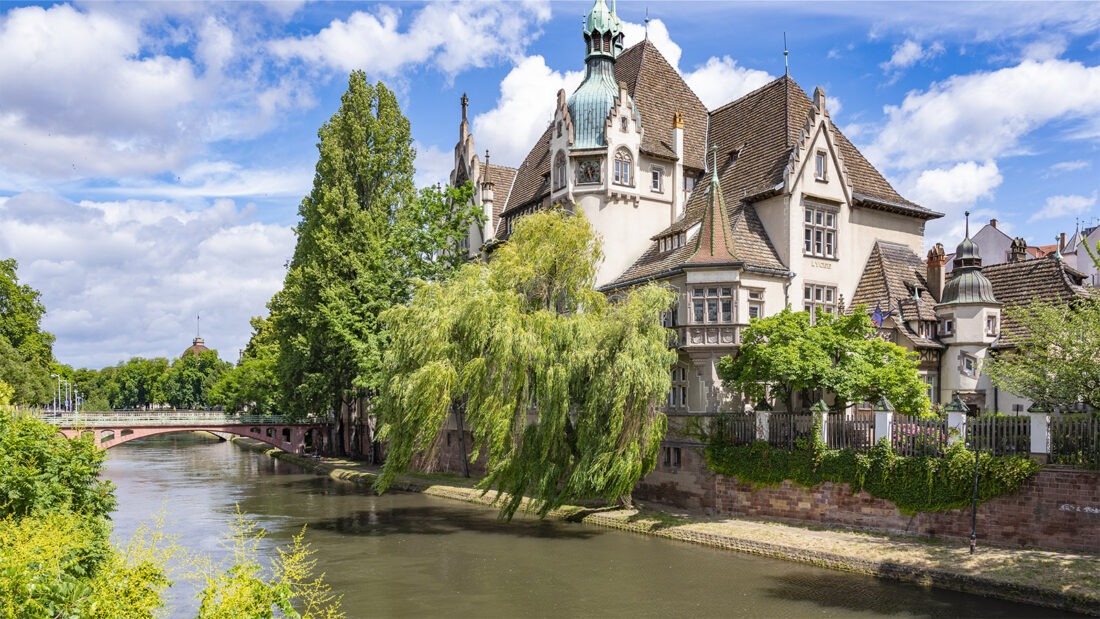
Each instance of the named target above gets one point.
<point>56,393</point>
<point>958,406</point>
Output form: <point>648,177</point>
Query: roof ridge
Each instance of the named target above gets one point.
<point>751,94</point>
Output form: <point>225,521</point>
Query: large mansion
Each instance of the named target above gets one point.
<point>749,208</point>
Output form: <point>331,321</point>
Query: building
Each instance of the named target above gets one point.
<point>746,209</point>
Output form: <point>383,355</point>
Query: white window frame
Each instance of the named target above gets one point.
<point>966,360</point>
<point>677,395</point>
<point>821,166</point>
<point>947,325</point>
<point>624,168</point>
<point>818,298</point>
<point>756,302</point>
<point>657,179</point>
<point>991,324</point>
<point>820,236</point>
<point>713,304</point>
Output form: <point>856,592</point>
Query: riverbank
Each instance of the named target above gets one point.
<point>1055,580</point>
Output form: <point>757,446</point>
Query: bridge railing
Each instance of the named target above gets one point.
<point>169,418</point>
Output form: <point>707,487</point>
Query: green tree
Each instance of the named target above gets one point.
<point>558,385</point>
<point>838,354</point>
<point>363,233</point>
<point>1057,362</point>
<point>188,382</point>
<point>135,383</point>
<point>252,386</point>
<point>25,349</point>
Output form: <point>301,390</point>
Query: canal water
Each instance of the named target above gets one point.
<point>410,555</point>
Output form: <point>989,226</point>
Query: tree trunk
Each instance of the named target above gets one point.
<point>459,409</point>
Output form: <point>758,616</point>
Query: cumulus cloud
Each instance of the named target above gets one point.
<point>720,80</point>
<point>658,36</point>
<point>951,190</point>
<point>1061,206</point>
<point>909,53</point>
<point>984,115</point>
<point>128,278</point>
<point>454,37</point>
<point>93,93</point>
<point>524,108</point>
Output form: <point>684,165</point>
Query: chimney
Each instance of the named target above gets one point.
<point>1018,251</point>
<point>679,197</point>
<point>1062,241</point>
<point>936,261</point>
<point>993,222</point>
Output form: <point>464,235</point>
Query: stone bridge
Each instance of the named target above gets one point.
<point>115,428</point>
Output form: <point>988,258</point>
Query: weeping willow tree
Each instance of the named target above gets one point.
<point>558,386</point>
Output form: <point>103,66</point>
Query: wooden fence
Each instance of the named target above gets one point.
<point>1075,441</point>
<point>1000,436</point>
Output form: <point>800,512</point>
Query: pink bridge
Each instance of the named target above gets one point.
<point>115,428</point>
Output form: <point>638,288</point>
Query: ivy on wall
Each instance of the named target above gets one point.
<point>913,484</point>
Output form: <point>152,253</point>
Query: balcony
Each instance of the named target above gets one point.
<point>698,336</point>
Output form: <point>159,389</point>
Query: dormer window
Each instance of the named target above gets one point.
<point>821,166</point>
<point>671,242</point>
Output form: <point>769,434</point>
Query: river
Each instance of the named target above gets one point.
<point>410,555</point>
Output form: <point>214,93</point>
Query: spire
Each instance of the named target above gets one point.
<point>465,104</point>
<point>198,326</point>
<point>786,53</point>
<point>647,23</point>
<point>603,32</point>
<point>786,95</point>
<point>1058,248</point>
<point>713,245</point>
<point>967,284</point>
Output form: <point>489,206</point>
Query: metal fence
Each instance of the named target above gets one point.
<point>784,429</point>
<point>1000,436</point>
<point>841,433</point>
<point>913,436</point>
<point>1075,441</point>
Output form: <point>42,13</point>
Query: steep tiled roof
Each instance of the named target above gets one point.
<point>889,277</point>
<point>530,179</point>
<point>1017,283</point>
<point>659,92</point>
<point>502,178</point>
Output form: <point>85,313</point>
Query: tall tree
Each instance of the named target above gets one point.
<point>363,233</point>
<point>188,381</point>
<point>252,386</point>
<point>136,383</point>
<point>1057,363</point>
<point>558,385</point>
<point>25,349</point>
<point>838,354</point>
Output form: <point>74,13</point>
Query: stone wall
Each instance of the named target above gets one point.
<point>1057,509</point>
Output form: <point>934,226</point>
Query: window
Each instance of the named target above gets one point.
<point>947,326</point>
<point>672,456</point>
<point>991,325</point>
<point>559,171</point>
<point>817,299</point>
<point>756,304</point>
<point>968,364</point>
<point>669,319</point>
<point>559,128</point>
<point>657,180</point>
<point>624,123</point>
<point>932,391</point>
<point>926,329</point>
<point>689,183</point>
<point>712,305</point>
<point>671,242</point>
<point>624,165</point>
<point>677,396</point>
<point>820,233</point>
<point>821,166</point>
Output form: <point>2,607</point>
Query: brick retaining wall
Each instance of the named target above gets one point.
<point>1057,509</point>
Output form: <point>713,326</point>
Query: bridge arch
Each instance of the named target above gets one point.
<point>289,438</point>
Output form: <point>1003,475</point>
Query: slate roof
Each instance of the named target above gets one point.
<point>889,277</point>
<point>659,92</point>
<point>1017,283</point>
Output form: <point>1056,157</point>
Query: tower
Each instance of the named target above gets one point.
<point>969,318</point>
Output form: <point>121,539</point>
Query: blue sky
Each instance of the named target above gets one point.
<point>153,155</point>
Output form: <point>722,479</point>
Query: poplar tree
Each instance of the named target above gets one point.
<point>363,234</point>
<point>559,387</point>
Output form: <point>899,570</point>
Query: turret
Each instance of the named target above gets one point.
<point>591,102</point>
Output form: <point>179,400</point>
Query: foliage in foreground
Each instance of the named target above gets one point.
<point>838,354</point>
<point>913,484</point>
<point>1058,361</point>
<point>557,385</point>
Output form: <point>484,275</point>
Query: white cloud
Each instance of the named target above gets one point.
<point>951,191</point>
<point>93,93</point>
<point>128,278</point>
<point>720,81</point>
<point>984,115</point>
<point>524,108</point>
<point>658,36</point>
<point>433,165</point>
<point>909,53</point>
<point>454,37</point>
<point>1061,206</point>
<point>1047,48</point>
<point>1063,167</point>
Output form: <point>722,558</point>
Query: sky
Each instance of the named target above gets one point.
<point>153,155</point>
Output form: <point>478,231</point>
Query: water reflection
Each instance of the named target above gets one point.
<point>408,555</point>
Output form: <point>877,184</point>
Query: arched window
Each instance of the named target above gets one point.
<point>624,167</point>
<point>559,170</point>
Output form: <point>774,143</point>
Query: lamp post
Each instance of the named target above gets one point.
<point>56,393</point>
<point>958,406</point>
